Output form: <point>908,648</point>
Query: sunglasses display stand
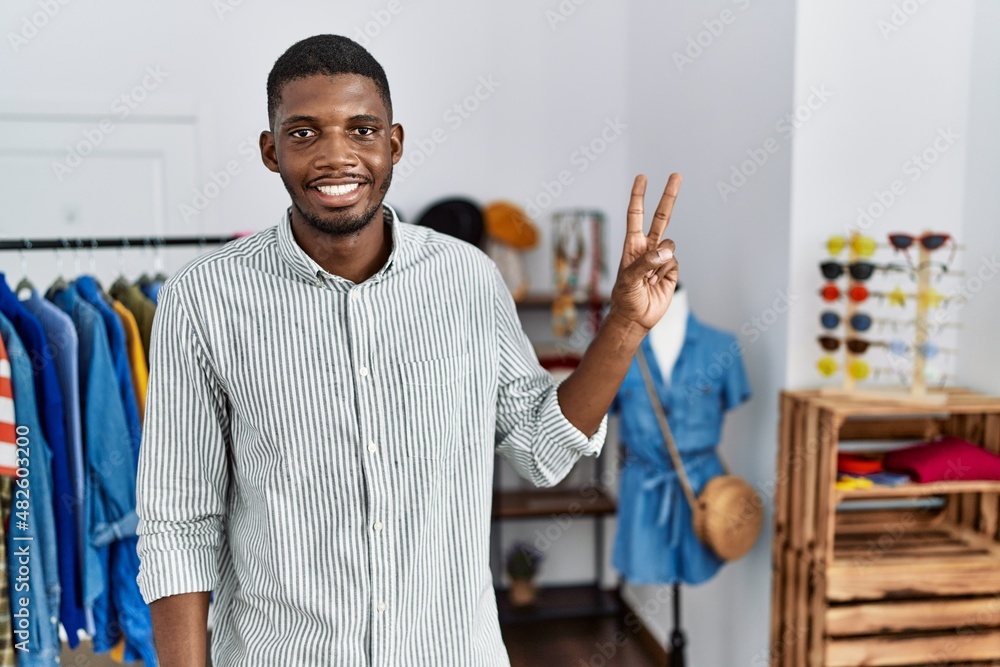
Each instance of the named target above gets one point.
<point>917,393</point>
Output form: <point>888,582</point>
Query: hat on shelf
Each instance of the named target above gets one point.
<point>508,223</point>
<point>456,217</point>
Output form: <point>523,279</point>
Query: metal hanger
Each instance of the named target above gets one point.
<point>60,282</point>
<point>25,282</point>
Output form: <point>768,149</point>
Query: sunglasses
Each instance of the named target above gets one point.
<point>858,321</point>
<point>928,350</point>
<point>930,241</point>
<point>854,345</point>
<point>858,369</point>
<point>863,246</point>
<point>857,293</point>
<point>858,270</point>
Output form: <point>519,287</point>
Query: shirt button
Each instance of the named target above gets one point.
<point>377,526</point>
<point>372,446</point>
<point>380,606</point>
<point>363,372</point>
<point>355,294</point>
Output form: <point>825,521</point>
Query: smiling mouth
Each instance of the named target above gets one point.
<point>337,190</point>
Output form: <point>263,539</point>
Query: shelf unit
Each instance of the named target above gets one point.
<point>591,501</point>
<point>891,583</point>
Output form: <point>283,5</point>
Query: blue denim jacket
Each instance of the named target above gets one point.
<point>655,541</point>
<point>88,288</point>
<point>31,539</point>
<point>111,569</point>
<point>50,405</point>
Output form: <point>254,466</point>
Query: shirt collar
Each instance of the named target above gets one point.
<point>306,267</point>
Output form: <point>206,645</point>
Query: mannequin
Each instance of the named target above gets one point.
<point>655,540</point>
<point>667,336</point>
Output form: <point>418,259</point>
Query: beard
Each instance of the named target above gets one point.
<point>340,226</point>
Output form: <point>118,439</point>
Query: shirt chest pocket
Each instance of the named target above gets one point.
<point>431,392</point>
<point>704,404</point>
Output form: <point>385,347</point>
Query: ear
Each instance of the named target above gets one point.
<point>268,152</point>
<point>396,142</point>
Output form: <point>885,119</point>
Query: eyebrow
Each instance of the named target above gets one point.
<point>364,118</point>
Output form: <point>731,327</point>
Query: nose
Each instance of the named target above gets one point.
<point>335,151</point>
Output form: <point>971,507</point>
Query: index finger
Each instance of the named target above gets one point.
<point>635,206</point>
<point>665,208</point>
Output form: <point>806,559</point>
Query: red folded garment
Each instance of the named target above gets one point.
<point>858,464</point>
<point>947,459</point>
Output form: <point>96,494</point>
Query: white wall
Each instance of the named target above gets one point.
<point>980,354</point>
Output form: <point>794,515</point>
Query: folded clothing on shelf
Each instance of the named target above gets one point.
<point>885,478</point>
<point>946,459</point>
<point>858,464</point>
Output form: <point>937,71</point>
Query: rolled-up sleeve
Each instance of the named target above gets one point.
<point>183,474</point>
<point>532,432</point>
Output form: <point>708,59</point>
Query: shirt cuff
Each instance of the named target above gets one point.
<point>556,428</point>
<point>163,573</point>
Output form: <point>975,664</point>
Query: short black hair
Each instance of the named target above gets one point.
<point>323,54</point>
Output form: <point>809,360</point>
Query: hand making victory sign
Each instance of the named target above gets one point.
<point>647,275</point>
<point>644,287</point>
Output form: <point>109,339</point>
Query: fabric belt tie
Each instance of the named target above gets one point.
<point>673,494</point>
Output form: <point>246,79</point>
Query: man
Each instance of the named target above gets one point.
<point>326,397</point>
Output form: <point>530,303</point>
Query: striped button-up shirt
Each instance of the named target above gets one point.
<point>320,452</point>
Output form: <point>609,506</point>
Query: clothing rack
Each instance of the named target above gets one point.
<point>151,242</point>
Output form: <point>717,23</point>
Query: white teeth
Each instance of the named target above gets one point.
<point>337,190</point>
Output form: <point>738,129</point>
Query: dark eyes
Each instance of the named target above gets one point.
<point>306,133</point>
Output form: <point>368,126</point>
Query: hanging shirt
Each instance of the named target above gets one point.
<point>8,435</point>
<point>8,456</point>
<point>136,357</point>
<point>655,541</point>
<point>140,306</point>
<point>91,293</point>
<point>151,288</point>
<point>31,538</point>
<point>65,346</point>
<point>320,452</point>
<point>49,401</point>
<point>111,562</point>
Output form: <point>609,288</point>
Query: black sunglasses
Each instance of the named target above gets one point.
<point>858,270</point>
<point>855,345</point>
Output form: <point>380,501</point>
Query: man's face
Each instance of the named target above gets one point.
<point>334,148</point>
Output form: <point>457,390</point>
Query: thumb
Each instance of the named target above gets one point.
<point>651,260</point>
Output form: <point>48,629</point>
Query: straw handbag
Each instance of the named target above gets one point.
<point>728,514</point>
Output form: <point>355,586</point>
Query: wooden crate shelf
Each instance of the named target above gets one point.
<point>888,584</point>
<point>918,490</point>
